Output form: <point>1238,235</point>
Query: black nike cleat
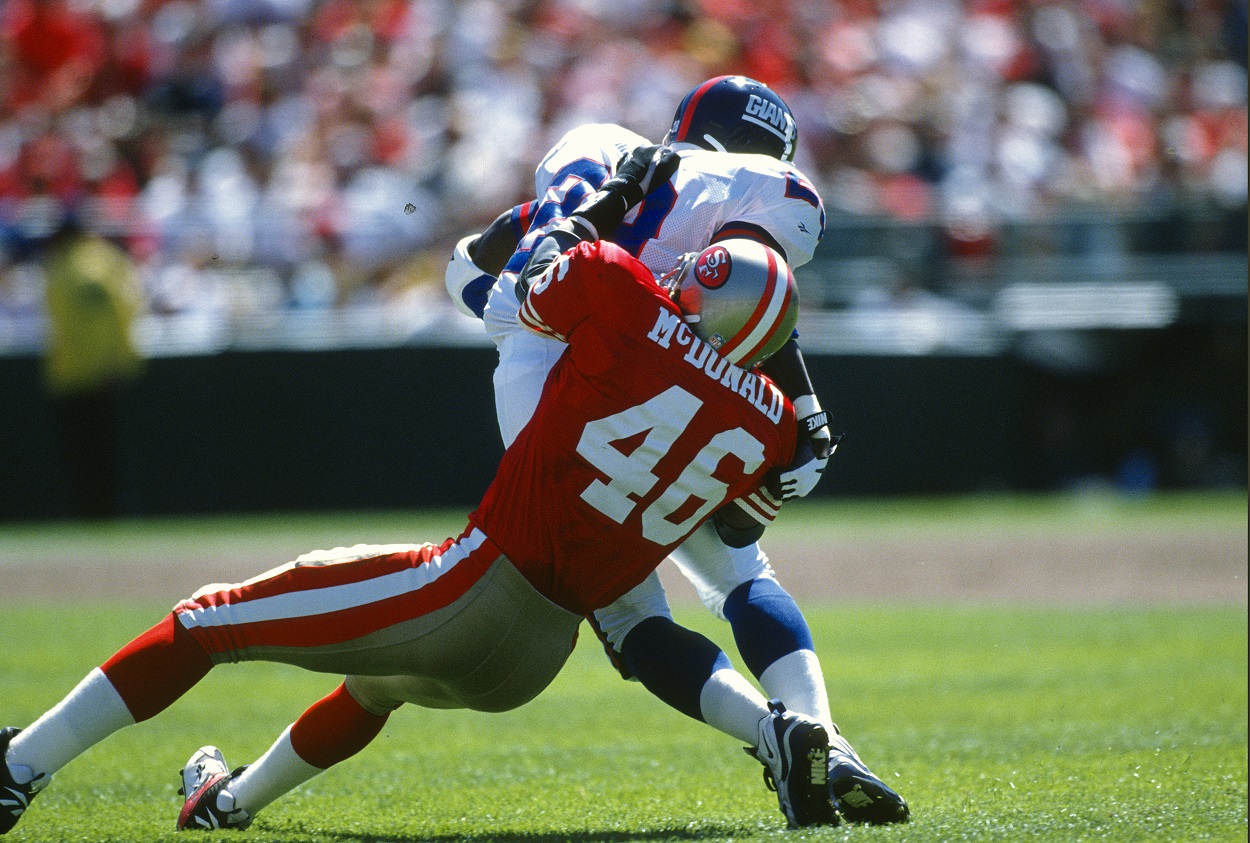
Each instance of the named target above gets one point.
<point>15,798</point>
<point>860,796</point>
<point>795,753</point>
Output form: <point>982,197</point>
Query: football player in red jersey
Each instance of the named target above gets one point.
<point>736,139</point>
<point>658,431</point>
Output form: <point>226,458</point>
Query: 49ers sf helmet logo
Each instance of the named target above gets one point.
<point>712,267</point>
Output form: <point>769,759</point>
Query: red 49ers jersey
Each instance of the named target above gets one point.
<point>641,433</point>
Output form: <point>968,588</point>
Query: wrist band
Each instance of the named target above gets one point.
<point>810,424</point>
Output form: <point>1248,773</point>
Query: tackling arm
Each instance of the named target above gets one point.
<point>603,211</point>
<point>816,443</point>
<point>491,249</point>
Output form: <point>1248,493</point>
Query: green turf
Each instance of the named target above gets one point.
<point>280,534</point>
<point>997,723</point>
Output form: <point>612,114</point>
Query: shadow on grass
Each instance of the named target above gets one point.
<point>708,831</point>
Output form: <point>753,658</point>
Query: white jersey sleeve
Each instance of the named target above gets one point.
<point>600,144</point>
<point>720,194</point>
<point>579,163</point>
<point>775,197</point>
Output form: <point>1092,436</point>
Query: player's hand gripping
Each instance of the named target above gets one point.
<point>642,170</point>
<point>637,174</point>
<point>815,446</point>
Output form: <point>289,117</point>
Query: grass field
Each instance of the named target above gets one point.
<point>998,720</point>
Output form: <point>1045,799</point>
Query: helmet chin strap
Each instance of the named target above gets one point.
<point>680,146</point>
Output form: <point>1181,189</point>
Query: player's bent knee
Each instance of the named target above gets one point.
<point>375,694</point>
<point>613,623</point>
<point>716,570</point>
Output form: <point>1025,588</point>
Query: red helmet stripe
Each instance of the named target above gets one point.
<point>768,308</point>
<point>768,335</point>
<point>688,114</point>
<point>774,317</point>
<point>729,349</point>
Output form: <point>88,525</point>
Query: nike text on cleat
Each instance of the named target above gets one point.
<point>205,783</point>
<point>860,796</point>
<point>795,753</point>
<point>15,798</point>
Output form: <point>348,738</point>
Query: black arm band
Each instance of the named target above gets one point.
<point>814,422</point>
<point>607,208</point>
<point>567,234</point>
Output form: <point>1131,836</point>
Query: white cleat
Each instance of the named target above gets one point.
<point>209,805</point>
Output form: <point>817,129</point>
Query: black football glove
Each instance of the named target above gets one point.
<point>637,174</point>
<point>641,171</point>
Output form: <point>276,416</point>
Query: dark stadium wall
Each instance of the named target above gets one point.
<point>243,432</point>
<point>323,430</point>
<point>415,427</point>
<point>393,428</point>
<point>917,425</point>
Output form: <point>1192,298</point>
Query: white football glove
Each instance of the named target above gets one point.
<point>816,445</point>
<point>467,285</point>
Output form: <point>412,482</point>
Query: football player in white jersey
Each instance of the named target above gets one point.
<point>735,138</point>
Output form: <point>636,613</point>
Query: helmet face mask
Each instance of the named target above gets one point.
<point>735,114</point>
<point>671,281</point>
<point>738,296</point>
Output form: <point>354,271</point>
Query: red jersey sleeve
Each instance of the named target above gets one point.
<point>565,296</point>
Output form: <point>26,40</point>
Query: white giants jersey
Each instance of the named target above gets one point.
<point>712,196</point>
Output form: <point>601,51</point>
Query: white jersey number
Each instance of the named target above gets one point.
<point>660,422</point>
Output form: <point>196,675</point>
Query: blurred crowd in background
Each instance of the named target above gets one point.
<point>179,177</point>
<point>260,154</point>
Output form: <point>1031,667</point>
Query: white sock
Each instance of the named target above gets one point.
<point>89,714</point>
<point>280,770</point>
<point>797,681</point>
<point>731,704</point>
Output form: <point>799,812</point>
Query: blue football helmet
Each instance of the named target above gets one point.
<point>735,114</point>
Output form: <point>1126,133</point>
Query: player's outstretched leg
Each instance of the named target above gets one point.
<point>860,796</point>
<point>206,784</point>
<point>331,730</point>
<point>15,795</point>
<point>795,753</point>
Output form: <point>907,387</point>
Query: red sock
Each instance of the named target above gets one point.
<point>334,728</point>
<point>157,668</point>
